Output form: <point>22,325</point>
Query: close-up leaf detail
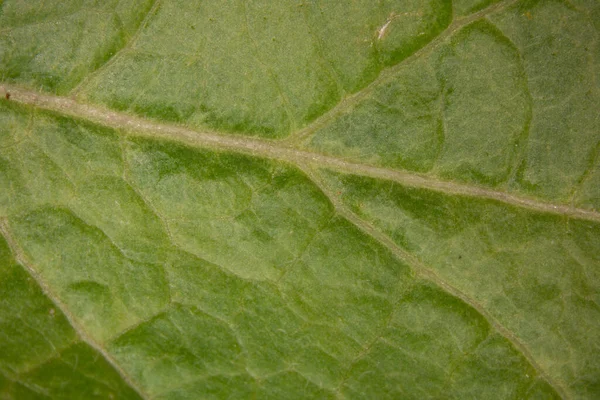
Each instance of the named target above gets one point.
<point>300,199</point>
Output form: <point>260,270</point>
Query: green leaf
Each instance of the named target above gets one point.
<point>266,199</point>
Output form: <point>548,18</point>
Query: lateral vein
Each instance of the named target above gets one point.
<point>22,259</point>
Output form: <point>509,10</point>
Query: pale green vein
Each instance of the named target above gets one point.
<point>390,73</point>
<point>137,126</point>
<point>22,259</point>
<point>428,274</point>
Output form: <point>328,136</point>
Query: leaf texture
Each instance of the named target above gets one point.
<point>395,199</point>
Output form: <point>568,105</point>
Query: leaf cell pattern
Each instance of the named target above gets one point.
<point>312,200</point>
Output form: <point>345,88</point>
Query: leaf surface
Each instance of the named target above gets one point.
<point>299,200</point>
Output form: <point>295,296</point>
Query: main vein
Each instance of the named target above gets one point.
<point>137,126</point>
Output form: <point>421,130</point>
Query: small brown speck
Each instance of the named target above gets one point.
<point>7,96</point>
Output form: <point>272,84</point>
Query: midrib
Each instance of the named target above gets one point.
<point>136,126</point>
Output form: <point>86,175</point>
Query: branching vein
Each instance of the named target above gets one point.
<point>23,260</point>
<point>137,126</point>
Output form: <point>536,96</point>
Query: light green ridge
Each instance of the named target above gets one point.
<point>141,128</point>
